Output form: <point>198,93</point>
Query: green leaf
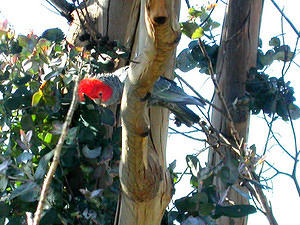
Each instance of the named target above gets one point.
<point>185,61</point>
<point>266,59</point>
<point>4,165</point>
<point>43,165</point>
<point>3,183</point>
<point>194,164</point>
<point>36,98</point>
<point>32,195</point>
<point>27,122</point>
<point>24,157</point>
<point>52,74</point>
<point>229,172</point>
<point>53,34</point>
<point>283,53</point>
<point>50,217</point>
<point>275,42</point>
<point>4,209</point>
<point>91,153</point>
<point>188,28</point>
<point>234,211</point>
<point>198,33</point>
<point>107,154</point>
<point>22,190</point>
<point>72,135</point>
<point>194,12</point>
<point>186,204</point>
<point>294,111</point>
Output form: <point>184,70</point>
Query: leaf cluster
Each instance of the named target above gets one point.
<point>36,83</point>
<point>271,95</point>
<point>204,202</point>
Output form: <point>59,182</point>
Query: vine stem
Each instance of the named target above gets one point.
<point>56,157</point>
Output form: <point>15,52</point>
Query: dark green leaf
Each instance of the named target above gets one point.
<point>234,211</point>
<point>15,48</point>
<point>107,154</point>
<point>283,53</point>
<point>275,42</point>
<point>27,122</point>
<point>72,135</point>
<point>194,164</point>
<point>43,165</point>
<point>91,153</point>
<point>185,61</point>
<point>23,190</point>
<point>32,195</point>
<point>294,111</point>
<point>3,183</point>
<point>16,220</point>
<point>4,209</point>
<point>50,217</point>
<point>186,204</point>
<point>188,28</point>
<point>54,34</point>
<point>24,157</point>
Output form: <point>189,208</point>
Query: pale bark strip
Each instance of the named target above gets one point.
<point>237,55</point>
<point>56,157</point>
<point>144,179</point>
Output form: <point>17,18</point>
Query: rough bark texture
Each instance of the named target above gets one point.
<point>149,28</point>
<point>237,55</point>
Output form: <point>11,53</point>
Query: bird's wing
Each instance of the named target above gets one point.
<point>167,90</point>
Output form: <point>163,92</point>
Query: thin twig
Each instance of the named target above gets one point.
<point>234,132</point>
<point>56,157</point>
<point>182,133</point>
<point>286,18</point>
<point>188,4</point>
<point>205,100</point>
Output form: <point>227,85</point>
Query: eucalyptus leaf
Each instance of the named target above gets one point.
<point>23,189</point>
<point>43,165</point>
<point>72,135</point>
<point>4,165</point>
<point>193,221</point>
<point>234,211</point>
<point>24,157</point>
<point>91,154</point>
<point>275,42</point>
<point>294,111</point>
<point>4,209</point>
<point>194,164</point>
<point>185,61</point>
<point>3,183</point>
<point>188,28</point>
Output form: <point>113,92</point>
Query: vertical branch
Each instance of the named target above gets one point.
<point>56,157</point>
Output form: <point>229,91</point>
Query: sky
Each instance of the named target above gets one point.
<point>37,15</point>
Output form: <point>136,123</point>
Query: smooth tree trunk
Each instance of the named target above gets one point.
<point>237,54</point>
<point>150,29</point>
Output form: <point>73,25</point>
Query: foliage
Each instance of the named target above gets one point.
<point>271,95</point>
<point>36,89</point>
<point>36,82</point>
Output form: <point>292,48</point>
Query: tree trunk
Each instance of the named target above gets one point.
<point>150,29</point>
<point>237,54</point>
